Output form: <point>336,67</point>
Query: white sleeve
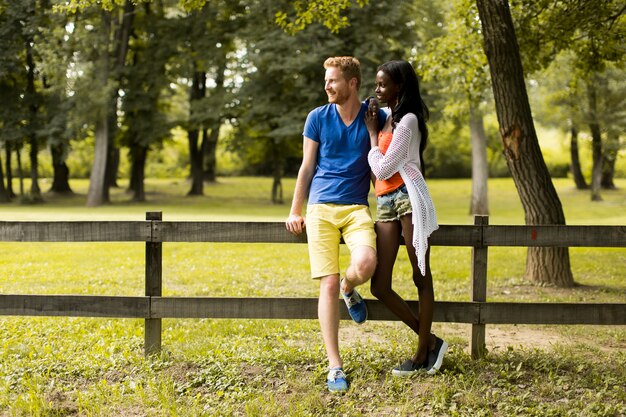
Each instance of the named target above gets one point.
<point>384,166</point>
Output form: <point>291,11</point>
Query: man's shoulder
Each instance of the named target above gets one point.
<point>322,110</point>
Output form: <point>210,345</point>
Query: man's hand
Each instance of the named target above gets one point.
<point>295,224</point>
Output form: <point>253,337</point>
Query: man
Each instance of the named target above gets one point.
<point>335,177</point>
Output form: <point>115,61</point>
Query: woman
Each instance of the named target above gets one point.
<point>405,208</point>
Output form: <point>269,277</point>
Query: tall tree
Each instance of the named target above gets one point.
<point>115,27</point>
<point>557,103</point>
<point>207,37</point>
<point>144,123</point>
<point>20,25</point>
<point>521,147</point>
<point>454,59</point>
<point>12,83</point>
<point>55,47</point>
<point>595,31</point>
<point>4,196</point>
<point>98,193</point>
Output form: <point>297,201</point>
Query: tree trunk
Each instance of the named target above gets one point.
<point>18,158</point>
<point>61,176</point>
<point>4,195</point>
<point>596,140</point>
<point>210,142</point>
<point>198,91</point>
<point>480,172</point>
<point>278,162</point>
<point>35,191</point>
<point>113,162</point>
<point>609,157</point>
<point>521,147</point>
<point>577,173</point>
<point>98,193</point>
<point>138,170</point>
<point>123,28</point>
<point>9,170</point>
<point>195,159</point>
<point>209,145</point>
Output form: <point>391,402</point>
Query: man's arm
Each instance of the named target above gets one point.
<point>295,222</point>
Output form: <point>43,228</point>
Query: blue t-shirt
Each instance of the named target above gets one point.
<point>342,173</point>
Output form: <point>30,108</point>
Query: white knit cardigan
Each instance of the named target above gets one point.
<point>403,156</point>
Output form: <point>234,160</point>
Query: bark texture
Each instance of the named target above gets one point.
<point>577,173</point>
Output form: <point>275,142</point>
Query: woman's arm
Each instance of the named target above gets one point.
<point>384,166</point>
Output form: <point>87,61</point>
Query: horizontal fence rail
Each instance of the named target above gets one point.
<point>153,306</point>
<point>275,232</point>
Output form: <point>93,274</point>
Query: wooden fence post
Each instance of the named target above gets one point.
<point>154,269</point>
<point>479,287</point>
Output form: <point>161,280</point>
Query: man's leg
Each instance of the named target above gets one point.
<point>361,269</point>
<point>328,314</point>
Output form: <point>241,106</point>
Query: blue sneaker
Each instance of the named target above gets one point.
<point>336,380</point>
<point>356,306</point>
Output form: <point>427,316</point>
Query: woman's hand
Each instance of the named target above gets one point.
<point>371,120</point>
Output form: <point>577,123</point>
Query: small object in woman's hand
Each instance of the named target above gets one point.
<point>373,106</point>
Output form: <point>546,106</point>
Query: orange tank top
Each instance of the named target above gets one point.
<point>383,187</point>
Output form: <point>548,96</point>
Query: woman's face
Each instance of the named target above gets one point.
<point>386,90</point>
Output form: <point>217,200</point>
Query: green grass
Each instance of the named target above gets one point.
<point>95,367</point>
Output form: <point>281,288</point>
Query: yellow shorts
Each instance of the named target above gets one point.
<point>326,224</point>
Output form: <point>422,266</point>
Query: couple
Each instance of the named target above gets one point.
<point>345,142</point>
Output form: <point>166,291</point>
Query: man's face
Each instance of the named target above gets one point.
<point>336,86</point>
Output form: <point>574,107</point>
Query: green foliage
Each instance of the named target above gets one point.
<point>326,12</point>
<point>593,30</point>
<point>454,62</point>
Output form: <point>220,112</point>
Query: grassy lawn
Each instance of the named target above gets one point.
<point>95,367</point>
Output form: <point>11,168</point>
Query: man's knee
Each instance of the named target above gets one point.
<point>364,262</point>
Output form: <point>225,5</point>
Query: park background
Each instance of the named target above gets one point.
<point>203,117</point>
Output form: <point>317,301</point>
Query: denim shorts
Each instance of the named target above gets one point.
<point>393,205</point>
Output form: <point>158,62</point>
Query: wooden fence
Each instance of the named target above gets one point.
<point>153,307</point>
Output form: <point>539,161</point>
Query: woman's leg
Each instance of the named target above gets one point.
<point>425,291</point>
<point>387,243</point>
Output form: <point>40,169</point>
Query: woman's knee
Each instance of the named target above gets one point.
<point>422,282</point>
<point>380,289</point>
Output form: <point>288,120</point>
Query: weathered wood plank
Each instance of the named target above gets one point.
<point>456,235</point>
<point>302,308</point>
<point>250,232</point>
<point>118,231</point>
<point>553,313</point>
<point>557,236</point>
<point>479,288</point>
<point>292,308</point>
<point>275,232</point>
<point>74,306</point>
<point>154,287</point>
